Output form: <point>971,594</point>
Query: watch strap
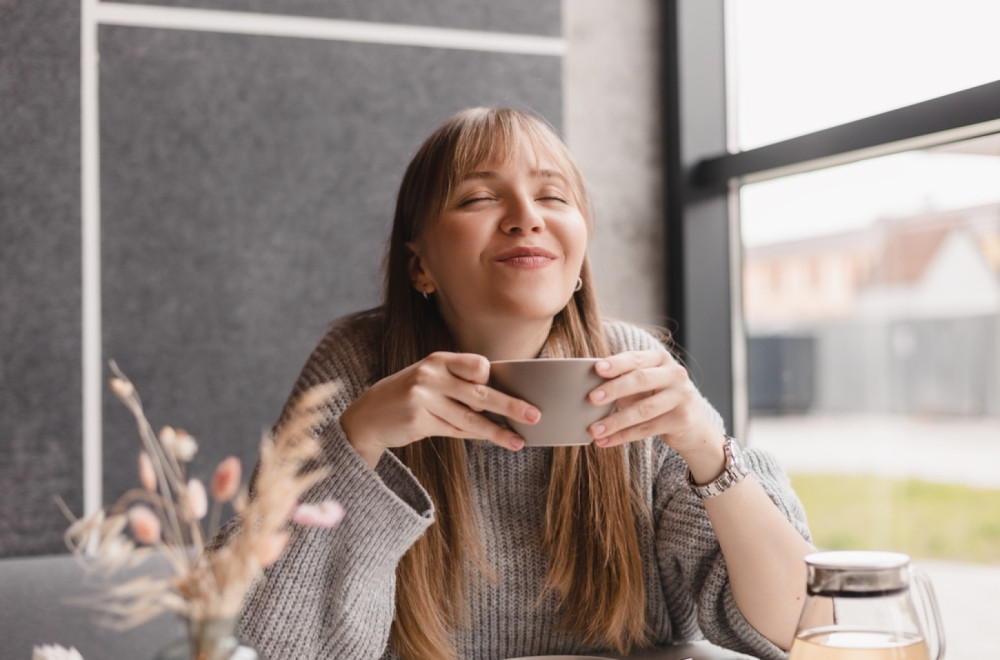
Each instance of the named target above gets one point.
<point>734,472</point>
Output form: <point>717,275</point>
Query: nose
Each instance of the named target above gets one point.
<point>522,217</point>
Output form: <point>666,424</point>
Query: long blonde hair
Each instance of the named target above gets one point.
<point>595,568</point>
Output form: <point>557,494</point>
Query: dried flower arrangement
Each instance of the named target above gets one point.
<point>166,516</point>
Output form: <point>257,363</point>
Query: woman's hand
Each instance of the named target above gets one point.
<point>655,396</point>
<point>441,395</point>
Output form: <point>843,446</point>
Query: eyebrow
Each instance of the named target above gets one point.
<point>537,174</point>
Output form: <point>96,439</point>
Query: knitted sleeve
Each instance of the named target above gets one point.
<point>331,594</point>
<point>692,569</point>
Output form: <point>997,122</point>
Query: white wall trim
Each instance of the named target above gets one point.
<point>90,213</point>
<point>94,13</point>
<point>277,25</point>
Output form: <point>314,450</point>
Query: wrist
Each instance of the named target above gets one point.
<point>734,471</point>
<point>706,460</point>
<point>365,446</point>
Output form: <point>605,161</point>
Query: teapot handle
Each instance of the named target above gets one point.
<point>931,613</point>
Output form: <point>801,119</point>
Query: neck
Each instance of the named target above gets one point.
<point>499,340</point>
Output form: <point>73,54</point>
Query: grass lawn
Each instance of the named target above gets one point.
<point>923,519</point>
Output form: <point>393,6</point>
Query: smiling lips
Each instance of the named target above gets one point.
<point>526,257</point>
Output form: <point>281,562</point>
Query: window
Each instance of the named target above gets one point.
<point>880,392</point>
<point>833,171</point>
<point>802,66</point>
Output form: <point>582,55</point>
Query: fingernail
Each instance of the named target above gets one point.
<point>603,365</point>
<point>531,414</point>
<point>598,430</point>
<point>516,443</point>
<point>601,442</point>
<point>598,395</point>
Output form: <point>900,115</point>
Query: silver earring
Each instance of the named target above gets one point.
<point>424,294</point>
<point>579,284</point>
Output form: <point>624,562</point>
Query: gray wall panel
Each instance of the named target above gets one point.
<point>40,408</point>
<point>247,188</point>
<point>518,16</point>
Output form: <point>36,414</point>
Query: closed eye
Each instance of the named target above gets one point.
<point>552,193</point>
<point>553,198</point>
<point>472,200</point>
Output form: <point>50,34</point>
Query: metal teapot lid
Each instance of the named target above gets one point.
<point>854,573</point>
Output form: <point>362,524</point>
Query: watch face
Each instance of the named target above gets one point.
<point>736,451</point>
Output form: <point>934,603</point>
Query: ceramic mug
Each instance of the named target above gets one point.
<point>558,387</point>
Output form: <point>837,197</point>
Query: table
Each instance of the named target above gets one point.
<point>693,650</point>
<point>689,651</point>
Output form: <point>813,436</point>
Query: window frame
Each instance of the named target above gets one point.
<point>704,172</point>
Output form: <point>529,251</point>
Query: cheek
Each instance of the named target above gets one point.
<point>451,250</point>
<point>577,237</point>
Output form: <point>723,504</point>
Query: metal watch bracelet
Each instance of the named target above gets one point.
<point>734,472</point>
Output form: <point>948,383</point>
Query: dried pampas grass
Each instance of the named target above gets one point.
<point>165,516</point>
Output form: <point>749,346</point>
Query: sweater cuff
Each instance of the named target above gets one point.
<point>387,505</point>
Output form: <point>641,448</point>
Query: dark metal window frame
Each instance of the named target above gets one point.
<point>702,180</point>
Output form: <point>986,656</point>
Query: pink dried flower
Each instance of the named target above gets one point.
<point>179,443</point>
<point>122,388</point>
<point>145,524</point>
<point>271,548</point>
<point>147,473</point>
<point>197,500</point>
<point>325,514</point>
<point>226,479</point>
<point>185,447</point>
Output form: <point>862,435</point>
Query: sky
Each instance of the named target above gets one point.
<point>803,66</point>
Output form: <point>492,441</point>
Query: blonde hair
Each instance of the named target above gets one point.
<point>595,567</point>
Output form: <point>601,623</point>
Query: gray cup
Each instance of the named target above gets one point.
<point>558,387</point>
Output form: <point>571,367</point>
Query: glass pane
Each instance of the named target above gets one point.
<point>802,66</point>
<point>872,307</point>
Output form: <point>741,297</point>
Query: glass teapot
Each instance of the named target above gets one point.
<point>859,606</point>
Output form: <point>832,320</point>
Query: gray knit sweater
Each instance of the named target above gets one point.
<point>331,595</point>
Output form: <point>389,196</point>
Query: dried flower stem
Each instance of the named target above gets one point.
<point>130,398</point>
<point>204,585</point>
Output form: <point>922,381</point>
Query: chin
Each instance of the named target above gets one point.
<point>534,310</point>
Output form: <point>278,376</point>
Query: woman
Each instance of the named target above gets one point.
<point>456,542</point>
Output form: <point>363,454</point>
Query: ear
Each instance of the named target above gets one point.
<point>419,276</point>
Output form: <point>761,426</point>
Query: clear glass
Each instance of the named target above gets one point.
<point>872,307</point>
<point>798,67</point>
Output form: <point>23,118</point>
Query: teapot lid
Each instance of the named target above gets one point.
<point>857,573</point>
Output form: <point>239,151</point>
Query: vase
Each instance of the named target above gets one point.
<point>211,639</point>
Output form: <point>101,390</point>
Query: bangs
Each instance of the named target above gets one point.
<point>485,135</point>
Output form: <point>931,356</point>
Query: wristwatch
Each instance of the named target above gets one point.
<point>734,473</point>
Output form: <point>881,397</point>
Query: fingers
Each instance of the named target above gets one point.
<point>636,373</point>
<point>459,421</point>
<point>465,366</point>
<point>653,396</point>
<point>471,373</point>
<point>464,394</point>
<point>660,413</point>
<point>616,365</point>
